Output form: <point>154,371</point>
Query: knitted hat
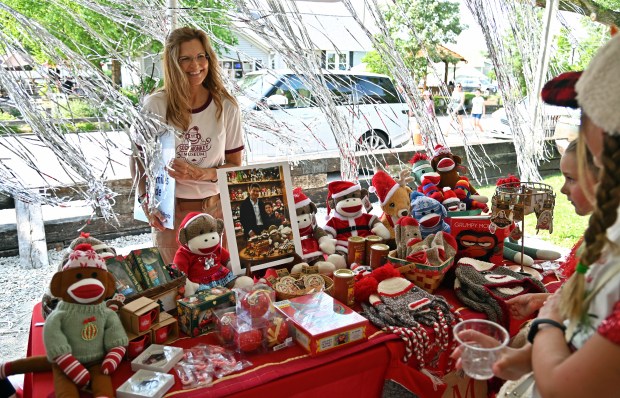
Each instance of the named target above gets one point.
<point>84,256</point>
<point>485,287</point>
<point>300,198</point>
<point>336,189</point>
<point>598,88</point>
<point>450,200</point>
<point>560,90</point>
<point>441,150</point>
<point>383,186</point>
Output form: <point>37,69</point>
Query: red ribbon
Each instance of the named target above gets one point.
<point>88,320</point>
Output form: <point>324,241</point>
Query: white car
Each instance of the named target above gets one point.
<point>283,117</point>
<point>551,115</point>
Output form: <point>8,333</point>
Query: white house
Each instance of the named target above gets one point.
<point>337,38</point>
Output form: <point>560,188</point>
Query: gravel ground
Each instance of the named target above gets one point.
<point>23,288</point>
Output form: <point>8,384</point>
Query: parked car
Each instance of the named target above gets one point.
<point>471,83</point>
<point>376,112</point>
<point>551,115</point>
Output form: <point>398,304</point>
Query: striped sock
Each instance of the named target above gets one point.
<point>73,369</point>
<point>112,359</point>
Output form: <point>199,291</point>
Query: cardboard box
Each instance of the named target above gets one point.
<point>158,358</point>
<point>139,315</point>
<point>146,384</point>
<point>196,313</point>
<point>171,326</point>
<point>475,240</point>
<point>148,267</point>
<point>168,300</point>
<point>321,323</point>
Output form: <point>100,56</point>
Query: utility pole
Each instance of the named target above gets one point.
<point>171,15</point>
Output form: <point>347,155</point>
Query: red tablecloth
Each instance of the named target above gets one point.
<point>358,370</point>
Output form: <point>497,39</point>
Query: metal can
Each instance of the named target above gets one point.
<point>357,250</point>
<point>344,285</point>
<point>378,255</point>
<point>371,240</point>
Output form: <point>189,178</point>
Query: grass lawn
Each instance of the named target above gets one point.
<point>568,227</point>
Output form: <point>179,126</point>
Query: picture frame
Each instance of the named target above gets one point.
<point>277,242</point>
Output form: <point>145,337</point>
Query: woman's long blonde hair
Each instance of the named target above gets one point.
<point>176,86</point>
<point>573,300</point>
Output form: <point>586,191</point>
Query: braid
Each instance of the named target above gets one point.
<point>595,238</point>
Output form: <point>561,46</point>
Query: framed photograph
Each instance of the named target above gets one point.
<point>227,65</point>
<point>258,206</point>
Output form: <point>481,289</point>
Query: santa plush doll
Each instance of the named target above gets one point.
<point>348,217</point>
<point>314,240</point>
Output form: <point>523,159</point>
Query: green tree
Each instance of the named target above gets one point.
<point>573,54</point>
<point>418,27</point>
<point>72,24</point>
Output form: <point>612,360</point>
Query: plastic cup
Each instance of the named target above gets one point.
<point>482,343</point>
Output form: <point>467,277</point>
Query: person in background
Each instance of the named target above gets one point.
<point>579,190</point>
<point>574,348</point>
<point>457,106</point>
<point>478,110</point>
<point>271,218</point>
<point>207,118</point>
<point>253,216</point>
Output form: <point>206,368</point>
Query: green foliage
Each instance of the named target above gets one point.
<point>419,30</point>
<point>375,63</point>
<point>77,108</point>
<point>568,227</point>
<point>4,116</point>
<point>576,56</point>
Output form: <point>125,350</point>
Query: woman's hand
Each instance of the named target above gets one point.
<point>521,307</point>
<point>156,219</point>
<point>551,308</point>
<point>511,363</point>
<point>180,170</point>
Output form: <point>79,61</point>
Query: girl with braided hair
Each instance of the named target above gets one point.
<point>574,348</point>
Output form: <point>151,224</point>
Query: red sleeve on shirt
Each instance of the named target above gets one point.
<point>610,327</point>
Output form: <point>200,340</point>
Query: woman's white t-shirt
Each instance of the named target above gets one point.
<point>206,142</point>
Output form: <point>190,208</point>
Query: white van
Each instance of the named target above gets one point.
<point>278,101</point>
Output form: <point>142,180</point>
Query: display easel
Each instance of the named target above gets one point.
<point>515,200</point>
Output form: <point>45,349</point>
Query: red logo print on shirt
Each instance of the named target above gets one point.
<point>193,148</point>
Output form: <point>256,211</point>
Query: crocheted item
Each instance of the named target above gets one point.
<point>598,86</point>
<point>422,320</point>
<point>485,287</point>
<point>433,250</point>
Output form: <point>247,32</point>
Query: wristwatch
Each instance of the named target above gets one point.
<point>536,324</point>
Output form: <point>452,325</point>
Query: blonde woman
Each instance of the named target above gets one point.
<point>208,123</point>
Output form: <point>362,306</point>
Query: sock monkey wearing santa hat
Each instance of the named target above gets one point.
<point>348,218</point>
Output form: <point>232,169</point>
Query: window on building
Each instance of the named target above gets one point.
<point>336,61</point>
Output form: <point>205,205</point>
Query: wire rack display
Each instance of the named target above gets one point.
<point>514,200</point>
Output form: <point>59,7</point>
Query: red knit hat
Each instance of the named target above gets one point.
<point>336,189</point>
<point>383,186</point>
<point>560,91</point>
<point>440,150</point>
<point>407,220</point>
<point>300,198</point>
